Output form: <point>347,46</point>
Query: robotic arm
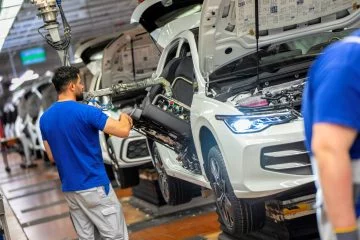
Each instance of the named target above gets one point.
<point>48,10</point>
<point>121,88</point>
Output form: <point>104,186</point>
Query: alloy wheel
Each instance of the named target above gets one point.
<point>163,179</point>
<point>222,200</point>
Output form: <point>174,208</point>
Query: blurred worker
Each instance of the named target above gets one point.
<point>332,125</point>
<point>70,131</point>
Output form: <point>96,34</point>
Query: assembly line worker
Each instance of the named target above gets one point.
<point>71,137</point>
<point>331,111</point>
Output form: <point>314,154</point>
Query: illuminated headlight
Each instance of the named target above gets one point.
<point>251,124</point>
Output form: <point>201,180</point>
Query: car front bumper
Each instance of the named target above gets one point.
<point>265,163</point>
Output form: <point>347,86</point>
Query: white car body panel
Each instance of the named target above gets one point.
<point>165,34</point>
<point>118,143</point>
<point>173,167</point>
<point>213,39</point>
<point>240,151</point>
<point>33,133</point>
<point>38,131</point>
<point>140,9</point>
<point>257,182</point>
<point>34,128</point>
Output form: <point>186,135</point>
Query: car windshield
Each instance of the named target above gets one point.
<point>276,56</point>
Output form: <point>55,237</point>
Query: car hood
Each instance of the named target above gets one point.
<point>166,19</point>
<point>227,27</point>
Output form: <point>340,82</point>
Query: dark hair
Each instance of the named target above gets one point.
<point>63,76</point>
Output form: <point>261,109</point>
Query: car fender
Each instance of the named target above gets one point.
<point>203,113</point>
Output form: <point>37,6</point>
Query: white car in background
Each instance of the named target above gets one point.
<point>233,122</point>
<point>16,127</point>
<point>34,112</point>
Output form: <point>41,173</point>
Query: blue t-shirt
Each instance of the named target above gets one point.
<point>72,131</point>
<point>332,93</point>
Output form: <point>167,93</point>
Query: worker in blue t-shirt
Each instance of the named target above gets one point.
<point>331,111</point>
<point>70,131</point>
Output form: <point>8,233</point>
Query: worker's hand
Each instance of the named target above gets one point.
<point>124,116</point>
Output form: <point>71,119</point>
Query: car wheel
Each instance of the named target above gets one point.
<point>236,216</point>
<point>174,191</point>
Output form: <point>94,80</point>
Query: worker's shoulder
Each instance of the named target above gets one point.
<point>348,45</point>
<point>73,105</point>
<point>343,54</point>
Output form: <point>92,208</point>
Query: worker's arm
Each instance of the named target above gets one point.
<point>331,144</point>
<point>120,128</point>
<point>48,151</point>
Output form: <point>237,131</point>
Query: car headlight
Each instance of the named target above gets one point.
<point>251,124</point>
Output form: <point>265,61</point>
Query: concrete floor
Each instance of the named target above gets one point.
<point>36,210</point>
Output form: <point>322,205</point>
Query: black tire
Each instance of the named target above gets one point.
<point>174,191</point>
<point>237,217</point>
<point>149,191</point>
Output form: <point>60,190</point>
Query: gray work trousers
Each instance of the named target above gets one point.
<point>93,208</point>
<point>324,226</point>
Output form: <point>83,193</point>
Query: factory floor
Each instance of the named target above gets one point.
<point>36,210</point>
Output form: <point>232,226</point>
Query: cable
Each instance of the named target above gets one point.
<point>63,44</point>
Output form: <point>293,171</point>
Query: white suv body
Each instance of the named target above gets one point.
<point>243,133</point>
<point>35,111</point>
<point>112,63</point>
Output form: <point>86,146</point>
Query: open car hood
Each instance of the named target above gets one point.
<point>166,19</point>
<point>227,28</point>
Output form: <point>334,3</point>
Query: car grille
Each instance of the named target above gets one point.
<point>291,158</point>
<point>137,149</point>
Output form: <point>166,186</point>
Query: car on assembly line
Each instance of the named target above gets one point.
<point>232,122</point>
<point>35,109</point>
<point>128,57</point>
<point>16,125</point>
<point>131,57</point>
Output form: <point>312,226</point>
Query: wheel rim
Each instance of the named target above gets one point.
<point>222,200</point>
<point>163,180</point>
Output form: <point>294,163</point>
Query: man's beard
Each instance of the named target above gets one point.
<point>80,97</point>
